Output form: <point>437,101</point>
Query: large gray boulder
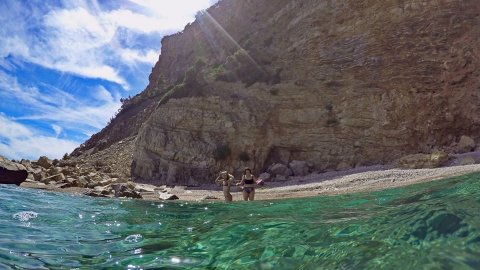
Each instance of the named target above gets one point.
<point>44,162</point>
<point>279,169</point>
<point>11,172</point>
<point>265,176</point>
<point>466,144</point>
<point>167,196</point>
<point>299,168</point>
<point>421,161</point>
<point>125,190</point>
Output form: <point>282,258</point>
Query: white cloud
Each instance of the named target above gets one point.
<point>19,141</point>
<point>59,107</point>
<point>9,129</point>
<point>81,39</point>
<point>13,45</point>
<point>173,10</point>
<point>86,118</point>
<point>61,110</point>
<point>132,56</point>
<point>57,129</point>
<point>103,94</point>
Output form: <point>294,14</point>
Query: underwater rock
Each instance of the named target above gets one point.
<point>94,193</point>
<point>445,223</point>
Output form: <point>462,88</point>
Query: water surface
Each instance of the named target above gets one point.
<point>434,225</point>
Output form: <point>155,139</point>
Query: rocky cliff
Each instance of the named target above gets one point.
<point>338,84</point>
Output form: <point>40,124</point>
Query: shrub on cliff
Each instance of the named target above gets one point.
<point>222,152</point>
<point>192,75</point>
<point>241,67</point>
<point>191,85</point>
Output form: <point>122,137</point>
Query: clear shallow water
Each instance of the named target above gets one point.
<point>428,226</point>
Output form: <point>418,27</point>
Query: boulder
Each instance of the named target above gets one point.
<point>468,160</point>
<point>145,188</point>
<point>11,172</point>
<point>105,182</point>
<point>27,164</point>
<point>123,190</point>
<point>209,197</point>
<point>130,184</point>
<point>299,168</point>
<point>53,171</point>
<point>44,162</point>
<point>466,144</point>
<point>59,177</point>
<point>94,193</point>
<point>63,185</point>
<point>167,196</point>
<point>281,178</point>
<point>56,178</point>
<point>68,171</point>
<point>80,182</point>
<point>92,184</point>
<point>69,180</point>
<point>103,190</point>
<point>279,169</point>
<point>265,176</point>
<point>39,175</point>
<point>419,161</point>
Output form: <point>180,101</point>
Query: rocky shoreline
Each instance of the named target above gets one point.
<point>104,174</point>
<point>72,177</point>
<point>316,186</point>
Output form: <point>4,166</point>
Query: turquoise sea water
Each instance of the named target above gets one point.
<point>427,226</point>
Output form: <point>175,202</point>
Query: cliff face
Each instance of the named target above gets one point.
<point>335,83</point>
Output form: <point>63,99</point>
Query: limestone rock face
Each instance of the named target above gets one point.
<point>337,84</point>
<point>331,83</point>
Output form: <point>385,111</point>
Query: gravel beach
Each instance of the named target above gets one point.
<point>337,183</point>
<point>329,183</point>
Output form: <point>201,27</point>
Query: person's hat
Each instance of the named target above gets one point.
<point>224,172</point>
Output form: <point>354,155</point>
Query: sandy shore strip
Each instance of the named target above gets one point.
<point>357,180</point>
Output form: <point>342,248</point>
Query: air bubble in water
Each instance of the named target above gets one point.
<point>25,215</point>
<point>134,238</point>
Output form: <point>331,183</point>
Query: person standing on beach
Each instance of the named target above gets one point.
<point>248,183</point>
<point>226,180</point>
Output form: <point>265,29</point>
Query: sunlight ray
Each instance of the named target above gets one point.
<point>222,31</point>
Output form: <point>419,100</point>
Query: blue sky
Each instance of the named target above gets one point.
<point>64,65</point>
